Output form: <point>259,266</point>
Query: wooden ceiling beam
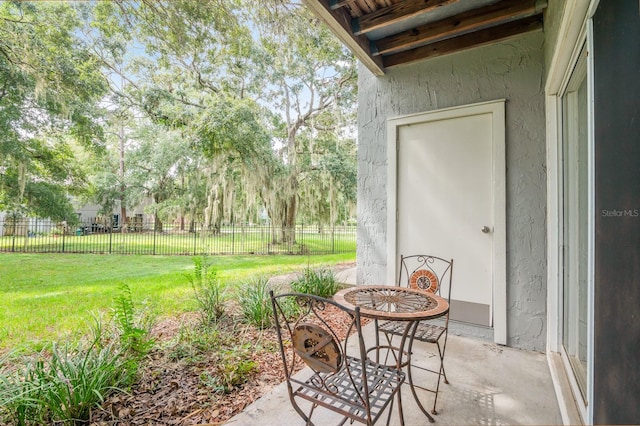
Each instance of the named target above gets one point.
<point>351,5</point>
<point>341,3</point>
<point>473,20</point>
<point>396,13</point>
<point>466,41</point>
<point>339,21</point>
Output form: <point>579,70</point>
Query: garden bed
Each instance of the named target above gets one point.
<point>195,375</point>
<point>182,391</point>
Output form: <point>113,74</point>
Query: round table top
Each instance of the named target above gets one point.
<point>393,303</point>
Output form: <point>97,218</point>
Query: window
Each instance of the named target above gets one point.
<point>575,184</point>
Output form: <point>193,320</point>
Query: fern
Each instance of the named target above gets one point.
<point>133,326</point>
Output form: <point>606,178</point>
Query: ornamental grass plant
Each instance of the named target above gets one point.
<point>254,301</point>
<point>64,383</point>
<point>320,282</point>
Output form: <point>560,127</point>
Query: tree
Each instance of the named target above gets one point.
<point>213,76</point>
<point>197,78</point>
<point>328,190</point>
<point>223,114</point>
<point>50,85</point>
<point>312,83</point>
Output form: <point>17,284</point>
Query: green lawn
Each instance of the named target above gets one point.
<point>44,297</point>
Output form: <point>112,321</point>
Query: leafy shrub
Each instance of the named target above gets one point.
<point>209,291</point>
<point>253,298</point>
<point>321,282</point>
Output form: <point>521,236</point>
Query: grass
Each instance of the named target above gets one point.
<point>44,297</point>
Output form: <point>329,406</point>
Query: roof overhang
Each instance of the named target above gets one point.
<point>387,33</point>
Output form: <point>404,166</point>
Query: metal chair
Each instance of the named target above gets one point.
<point>432,274</point>
<point>351,385</point>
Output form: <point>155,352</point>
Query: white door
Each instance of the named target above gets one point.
<point>446,190</point>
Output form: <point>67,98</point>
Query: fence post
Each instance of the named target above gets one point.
<point>195,237</point>
<point>301,238</point>
<point>110,239</point>
<point>63,232</point>
<point>13,242</point>
<point>155,224</point>
<point>233,238</point>
<point>333,239</point>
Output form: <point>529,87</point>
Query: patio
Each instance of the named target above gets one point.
<point>489,385</point>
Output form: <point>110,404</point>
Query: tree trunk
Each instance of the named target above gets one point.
<point>123,217</point>
<point>123,208</point>
<point>289,228</point>
<point>158,224</point>
<point>220,214</point>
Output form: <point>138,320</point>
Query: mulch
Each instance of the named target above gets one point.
<point>171,392</point>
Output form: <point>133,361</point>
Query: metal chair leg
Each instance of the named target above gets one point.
<point>441,373</point>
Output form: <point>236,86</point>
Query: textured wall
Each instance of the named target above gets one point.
<point>552,19</point>
<point>513,70</point>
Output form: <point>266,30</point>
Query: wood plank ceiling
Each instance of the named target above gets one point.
<point>388,33</point>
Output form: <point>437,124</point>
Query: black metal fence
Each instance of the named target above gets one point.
<point>150,237</point>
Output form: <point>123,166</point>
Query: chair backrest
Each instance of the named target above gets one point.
<point>315,331</point>
<point>426,272</point>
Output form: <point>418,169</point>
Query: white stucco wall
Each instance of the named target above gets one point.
<point>513,70</point>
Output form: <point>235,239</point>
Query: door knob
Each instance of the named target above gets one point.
<point>486,229</point>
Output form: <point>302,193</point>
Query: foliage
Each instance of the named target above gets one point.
<point>312,80</point>
<point>321,282</point>
<point>64,384</point>
<point>258,112</point>
<point>234,367</point>
<point>133,325</point>
<point>192,343</point>
<point>232,364</point>
<point>50,88</point>
<point>234,109</point>
<point>253,298</point>
<point>209,291</point>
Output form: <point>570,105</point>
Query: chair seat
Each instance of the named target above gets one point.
<point>426,331</point>
<point>341,389</point>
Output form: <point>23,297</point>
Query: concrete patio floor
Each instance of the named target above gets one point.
<point>489,385</point>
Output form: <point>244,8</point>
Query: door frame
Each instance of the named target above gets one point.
<point>575,31</point>
<point>497,110</point>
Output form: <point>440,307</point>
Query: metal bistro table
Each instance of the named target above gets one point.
<point>392,303</point>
